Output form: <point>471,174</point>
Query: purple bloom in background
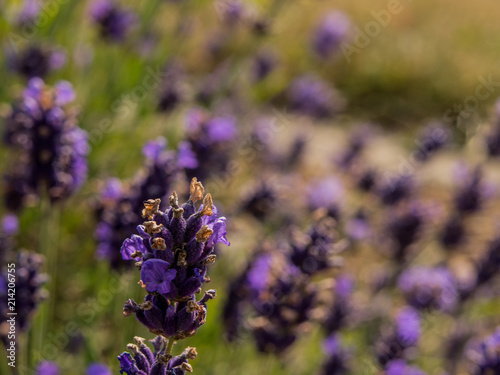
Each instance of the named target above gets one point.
<point>472,190</point>
<point>260,201</point>
<point>211,141</point>
<point>396,189</point>
<point>114,22</point>
<point>231,11</point>
<point>326,193</point>
<point>259,276</point>
<point>485,355</point>
<point>338,313</point>
<point>29,292</point>
<point>433,138</point>
<point>394,344</point>
<point>36,61</point>
<point>10,225</point>
<point>98,369</point>
<point>337,357</point>
<point>263,64</point>
<point>358,227</point>
<point>51,148</point>
<point>29,12</point>
<point>330,33</point>
<point>172,91</point>
<point>429,288</point>
<point>112,189</point>
<point>157,276</point>
<point>186,156</point>
<point>400,367</point>
<point>408,326</point>
<point>47,368</point>
<point>310,96</point>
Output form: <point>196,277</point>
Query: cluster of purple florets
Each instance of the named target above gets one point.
<point>172,251</point>
<point>50,149</point>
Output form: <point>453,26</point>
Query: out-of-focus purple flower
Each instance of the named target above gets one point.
<point>395,189</point>
<point>211,141</point>
<point>259,276</point>
<point>404,226</point>
<point>29,12</point>
<point>10,224</point>
<point>400,367</point>
<point>472,190</point>
<point>263,64</point>
<point>326,193</point>
<point>52,149</point>
<point>186,158</point>
<point>330,33</point>
<point>429,288</point>
<point>433,138</point>
<point>453,232</point>
<point>98,369</point>
<point>112,189</point>
<point>29,292</point>
<point>408,326</point>
<point>260,201</point>
<point>172,91</point>
<point>153,149</point>
<point>114,22</point>
<point>356,143</point>
<point>36,61</point>
<point>336,316</point>
<point>358,227</point>
<point>485,355</point>
<point>231,11</point>
<point>47,368</point>
<point>311,96</point>
<point>337,357</point>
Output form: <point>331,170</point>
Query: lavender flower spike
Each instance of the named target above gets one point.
<point>172,251</point>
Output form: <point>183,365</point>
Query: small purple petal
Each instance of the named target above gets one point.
<point>131,245</point>
<point>64,93</point>
<point>156,275</point>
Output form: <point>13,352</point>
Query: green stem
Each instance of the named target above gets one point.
<point>170,344</point>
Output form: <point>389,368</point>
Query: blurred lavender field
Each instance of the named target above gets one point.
<point>268,187</point>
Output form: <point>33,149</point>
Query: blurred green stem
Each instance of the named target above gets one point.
<point>48,247</point>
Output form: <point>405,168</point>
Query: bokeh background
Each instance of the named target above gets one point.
<point>419,68</point>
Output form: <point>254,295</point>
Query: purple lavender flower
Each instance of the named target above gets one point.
<point>337,315</point>
<point>311,96</point>
<point>337,357</point>
<point>113,21</point>
<point>326,193</point>
<point>144,361</point>
<point>358,227</point>
<point>231,11</point>
<point>404,227</point>
<point>47,368</point>
<point>429,288</point>
<point>330,33</point>
<point>260,201</point>
<point>400,367</point>
<point>36,61</point>
<point>453,232</point>
<point>485,356</point>
<point>263,64</point>
<point>29,12</point>
<point>433,138</point>
<point>314,251</point>
<point>10,225</point>
<point>29,292</point>
<point>173,251</point>
<point>172,91</point>
<point>395,343</point>
<point>52,149</point>
<point>210,140</point>
<point>98,369</point>
<point>472,190</point>
<point>395,189</point>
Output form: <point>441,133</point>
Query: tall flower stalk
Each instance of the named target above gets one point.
<point>172,252</point>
